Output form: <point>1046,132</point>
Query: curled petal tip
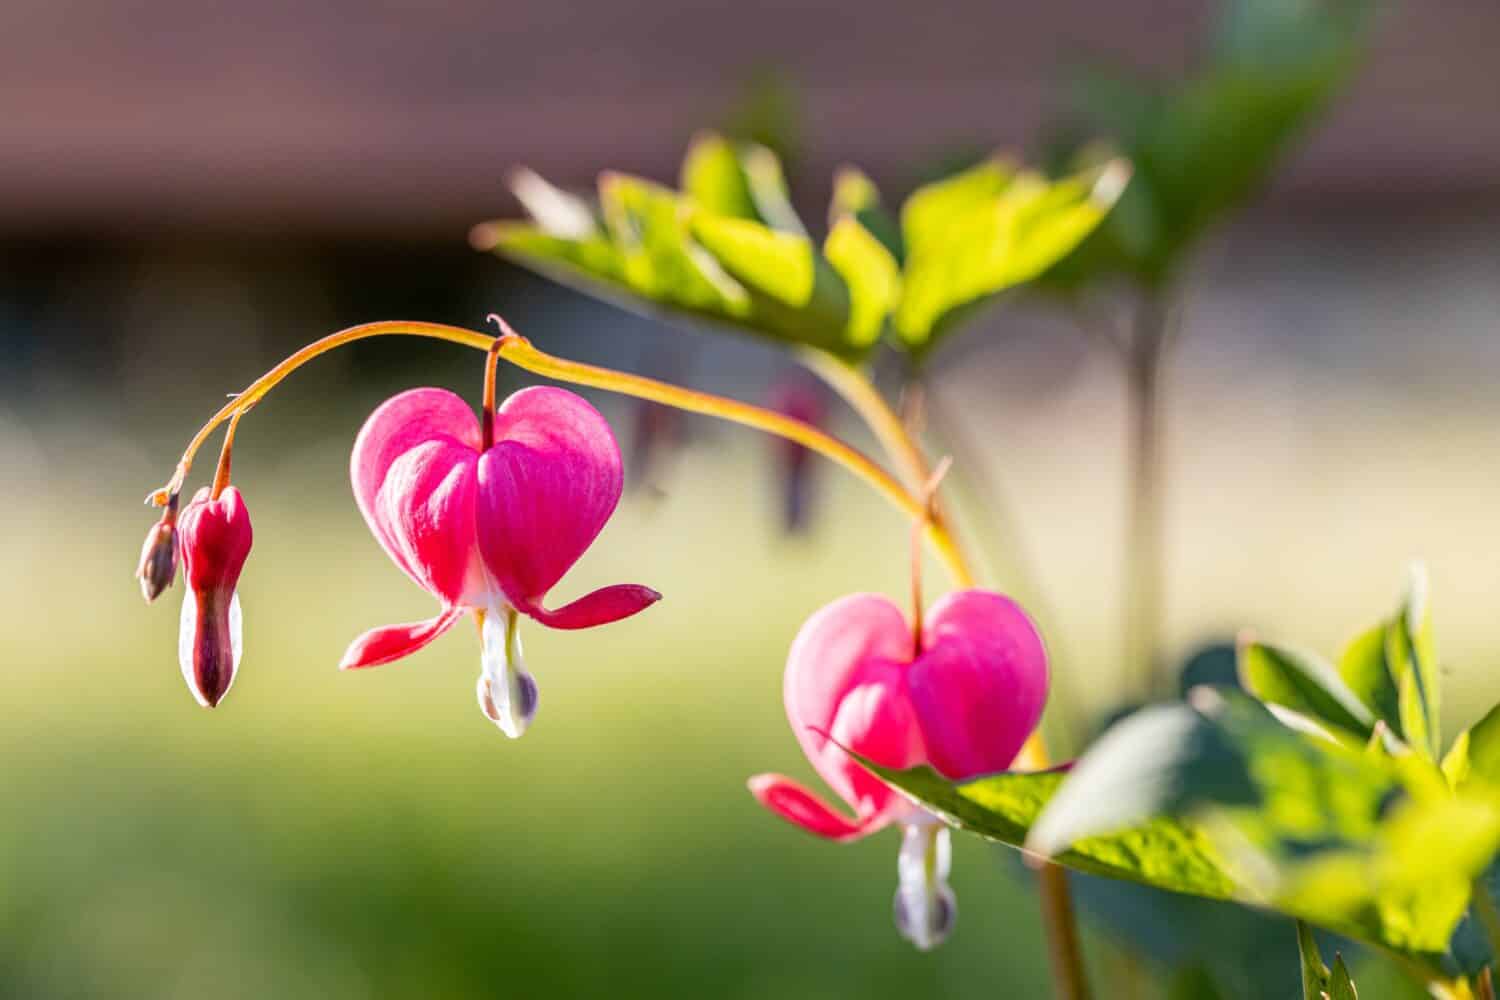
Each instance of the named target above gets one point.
<point>608,604</point>
<point>800,807</point>
<point>392,642</point>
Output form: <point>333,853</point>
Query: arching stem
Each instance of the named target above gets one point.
<point>226,455</point>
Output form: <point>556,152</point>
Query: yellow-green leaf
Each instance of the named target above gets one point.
<point>873,277</point>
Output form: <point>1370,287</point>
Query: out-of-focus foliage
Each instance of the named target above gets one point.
<point>1319,982</point>
<point>1203,144</point>
<point>729,247</point>
<point>1388,676</point>
<point>1320,805</point>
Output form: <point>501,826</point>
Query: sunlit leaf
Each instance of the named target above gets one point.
<point>871,274</point>
<point>854,194</point>
<point>648,226</point>
<point>555,211</point>
<point>1340,983</point>
<point>1475,754</point>
<point>1218,798</point>
<point>768,189</point>
<point>1304,683</point>
<point>593,260</point>
<point>930,212</point>
<point>713,178</point>
<point>1392,669</point>
<point>1003,807</point>
<point>792,290</point>
<point>1315,974</point>
<point>988,229</point>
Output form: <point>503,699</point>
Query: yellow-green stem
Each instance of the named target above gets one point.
<point>255,390</point>
<point>520,352</point>
<point>865,400</point>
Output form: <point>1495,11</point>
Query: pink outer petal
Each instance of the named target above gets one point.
<point>546,489</point>
<point>414,472</point>
<point>980,686</point>
<point>608,604</point>
<point>796,804</point>
<point>392,642</point>
<point>215,536</point>
<point>844,679</point>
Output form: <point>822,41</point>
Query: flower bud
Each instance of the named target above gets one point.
<point>158,566</point>
<point>215,540</point>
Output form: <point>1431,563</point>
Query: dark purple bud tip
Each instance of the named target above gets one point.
<point>158,565</point>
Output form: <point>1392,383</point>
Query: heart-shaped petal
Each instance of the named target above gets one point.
<point>980,685</point>
<point>843,680</point>
<point>546,489</point>
<point>414,476</point>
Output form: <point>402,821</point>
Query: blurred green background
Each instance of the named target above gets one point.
<point>171,225</point>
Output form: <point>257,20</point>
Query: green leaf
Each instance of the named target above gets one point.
<point>1315,975</point>
<point>1340,983</point>
<point>591,261</point>
<point>988,229</point>
<point>1218,798</point>
<point>1475,754</point>
<point>871,274</point>
<point>646,223</point>
<point>1363,668</point>
<point>854,194</point>
<point>1003,807</point>
<point>555,211</point>
<point>1392,669</point>
<point>1413,661</point>
<point>768,189</point>
<point>714,179</point>
<point>1194,983</point>
<point>930,213</point>
<point>791,289</point>
<point>1202,145</point>
<point>1304,683</point>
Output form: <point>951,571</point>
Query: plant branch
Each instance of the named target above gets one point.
<point>1144,558</point>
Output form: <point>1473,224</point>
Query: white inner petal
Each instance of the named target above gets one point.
<point>925,905</point>
<point>187,629</point>
<point>506,692</point>
<point>187,635</point>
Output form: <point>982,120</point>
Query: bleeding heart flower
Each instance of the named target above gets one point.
<point>963,699</point>
<point>215,537</point>
<point>489,530</point>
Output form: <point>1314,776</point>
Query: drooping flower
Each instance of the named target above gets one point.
<point>963,698</point>
<point>215,538</point>
<point>489,530</point>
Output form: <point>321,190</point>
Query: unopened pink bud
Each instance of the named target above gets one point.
<point>215,539</point>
